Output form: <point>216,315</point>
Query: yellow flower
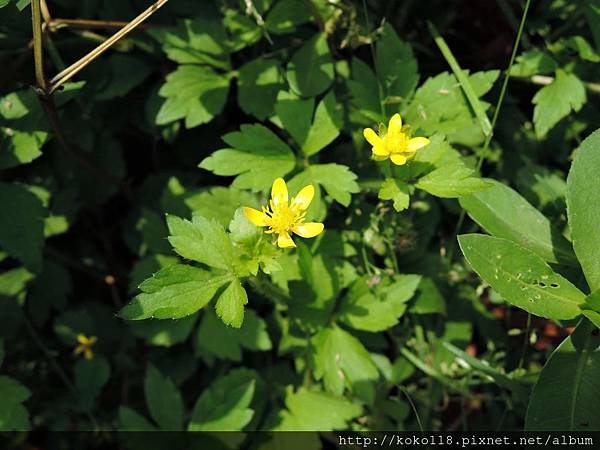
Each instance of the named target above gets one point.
<point>396,144</point>
<point>283,217</point>
<point>85,346</point>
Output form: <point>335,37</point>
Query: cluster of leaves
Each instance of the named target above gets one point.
<point>121,219</point>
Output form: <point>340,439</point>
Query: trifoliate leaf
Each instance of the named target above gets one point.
<point>397,191</point>
<point>197,41</point>
<point>163,400</point>
<point>224,405</point>
<point>174,292</point>
<point>310,71</point>
<point>22,224</point>
<point>556,101</point>
<point>257,156</point>
<point>193,93</point>
<point>201,240</point>
<point>258,84</point>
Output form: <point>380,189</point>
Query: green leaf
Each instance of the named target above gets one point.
<point>521,277</point>
<point>342,361</point>
<point>22,129</point>
<point>164,400</point>
<point>256,155</point>
<point>286,15</point>
<point>566,393</point>
<point>397,191</point>
<point>556,101</point>
<point>197,41</point>
<point>22,225</point>
<point>337,180</point>
<point>377,310</point>
<point>1,351</point>
<point>310,71</point>
<point>395,65</point>
<point>583,48</point>
<point>429,300</point>
<point>201,240</point>
<point>592,14</point>
<point>364,89</point>
<point>533,62</point>
<point>90,378</point>
<point>495,210</point>
<point>174,292</point>
<point>334,412</point>
<point>224,405</point>
<point>219,203</point>
<point>258,84</point>
<point>130,420</point>
<point>483,366</point>
<point>230,304</point>
<point>14,281</point>
<point>193,93</point>
<point>583,207</point>
<point>463,79</point>
<point>13,415</point>
<point>164,333</point>
<point>325,126</point>
<point>225,342</point>
<point>440,106</point>
<point>451,181</point>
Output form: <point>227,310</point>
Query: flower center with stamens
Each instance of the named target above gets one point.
<point>396,143</point>
<point>283,219</point>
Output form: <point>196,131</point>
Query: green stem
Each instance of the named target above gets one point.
<point>38,50</point>
<point>488,138</point>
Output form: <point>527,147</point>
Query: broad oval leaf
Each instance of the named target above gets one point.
<point>521,277</point>
<point>502,212</point>
<point>583,207</point>
<point>565,396</point>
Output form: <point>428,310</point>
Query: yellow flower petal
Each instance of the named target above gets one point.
<point>304,197</point>
<point>381,150</point>
<point>379,158</point>
<point>82,339</point>
<point>258,218</point>
<point>416,143</point>
<point>279,192</point>
<point>395,125</point>
<point>398,159</point>
<point>285,241</point>
<point>79,349</point>
<point>88,354</point>
<point>372,137</point>
<point>308,230</point>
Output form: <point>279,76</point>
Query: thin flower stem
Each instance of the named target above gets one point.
<point>65,75</point>
<point>38,49</point>
<point>488,138</point>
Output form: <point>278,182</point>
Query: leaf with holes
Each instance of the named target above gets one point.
<point>521,277</point>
